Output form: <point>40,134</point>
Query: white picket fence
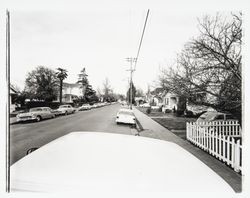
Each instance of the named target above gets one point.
<point>220,139</point>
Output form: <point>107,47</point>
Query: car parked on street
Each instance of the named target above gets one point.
<point>125,116</point>
<point>36,114</point>
<point>66,109</point>
<point>146,105</point>
<point>86,162</point>
<point>155,107</point>
<point>84,107</point>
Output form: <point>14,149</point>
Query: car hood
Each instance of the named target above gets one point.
<point>90,161</point>
<point>61,109</point>
<point>27,114</point>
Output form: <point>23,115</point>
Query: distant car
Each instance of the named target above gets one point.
<point>84,107</point>
<point>86,162</point>
<point>155,107</point>
<point>94,106</point>
<point>125,116</point>
<point>66,109</point>
<point>56,112</point>
<point>99,104</point>
<point>215,116</point>
<point>36,114</point>
<point>147,105</point>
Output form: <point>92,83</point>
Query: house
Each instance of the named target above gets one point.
<point>155,97</point>
<point>157,100</point>
<point>139,100</point>
<point>70,92</point>
<point>170,102</point>
<point>13,93</point>
<point>173,102</point>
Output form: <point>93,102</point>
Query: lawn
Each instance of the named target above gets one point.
<point>168,120</point>
<point>174,123</point>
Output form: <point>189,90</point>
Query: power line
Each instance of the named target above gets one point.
<point>138,52</point>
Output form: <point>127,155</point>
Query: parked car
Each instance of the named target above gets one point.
<point>94,106</point>
<point>84,107</point>
<point>88,162</point>
<point>197,110</point>
<point>56,112</point>
<point>155,107</point>
<point>66,109</point>
<point>215,116</point>
<point>125,116</point>
<point>147,105</point>
<point>36,114</point>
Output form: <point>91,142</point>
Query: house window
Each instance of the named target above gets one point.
<point>167,101</point>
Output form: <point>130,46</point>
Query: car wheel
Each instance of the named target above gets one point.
<point>30,150</point>
<point>38,118</point>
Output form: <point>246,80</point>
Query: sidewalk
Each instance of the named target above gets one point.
<point>154,130</point>
<point>13,120</point>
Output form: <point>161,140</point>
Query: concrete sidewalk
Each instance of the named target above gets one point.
<point>13,120</point>
<point>154,130</point>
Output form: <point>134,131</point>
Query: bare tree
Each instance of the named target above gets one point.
<point>211,64</point>
<point>107,90</point>
<point>139,92</point>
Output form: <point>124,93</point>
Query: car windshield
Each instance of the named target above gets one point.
<point>63,106</point>
<point>36,109</point>
<point>126,113</point>
<point>208,116</point>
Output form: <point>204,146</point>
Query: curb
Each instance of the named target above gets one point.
<point>139,127</point>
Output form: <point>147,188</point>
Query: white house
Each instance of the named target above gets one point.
<point>13,92</point>
<point>70,91</point>
<point>170,102</point>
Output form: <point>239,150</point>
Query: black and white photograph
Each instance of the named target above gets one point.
<point>122,97</point>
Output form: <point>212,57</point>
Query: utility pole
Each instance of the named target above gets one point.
<point>8,110</point>
<point>131,60</point>
<point>134,60</point>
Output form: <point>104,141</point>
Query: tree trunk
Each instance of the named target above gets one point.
<point>61,84</point>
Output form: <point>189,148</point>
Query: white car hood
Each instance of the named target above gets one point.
<point>28,113</point>
<point>91,161</point>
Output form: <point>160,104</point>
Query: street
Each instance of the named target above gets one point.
<point>36,134</point>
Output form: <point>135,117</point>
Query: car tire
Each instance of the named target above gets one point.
<point>38,118</point>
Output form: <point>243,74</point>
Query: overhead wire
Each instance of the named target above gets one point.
<point>138,52</point>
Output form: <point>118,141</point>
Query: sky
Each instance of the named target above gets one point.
<point>99,39</point>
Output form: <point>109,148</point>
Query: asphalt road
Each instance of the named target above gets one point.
<point>36,134</point>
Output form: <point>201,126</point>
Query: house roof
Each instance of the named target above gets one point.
<point>157,90</point>
<point>13,89</point>
<point>71,85</point>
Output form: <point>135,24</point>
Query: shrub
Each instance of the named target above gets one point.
<point>188,113</point>
<point>179,113</point>
<point>148,111</point>
<point>168,111</point>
